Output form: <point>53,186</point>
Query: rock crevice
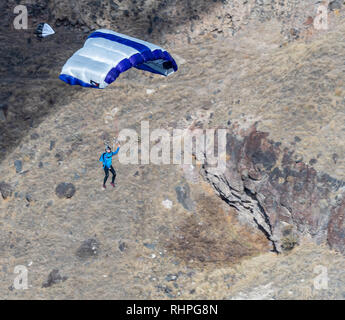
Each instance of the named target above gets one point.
<point>273,192</point>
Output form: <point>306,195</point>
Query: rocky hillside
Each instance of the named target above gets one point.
<point>258,69</point>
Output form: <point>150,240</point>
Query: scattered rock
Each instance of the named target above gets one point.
<point>5,190</point>
<point>76,176</point>
<point>59,156</point>
<point>188,117</point>
<point>122,246</point>
<point>298,158</point>
<point>294,33</point>
<point>168,291</point>
<point>18,165</point>
<point>171,277</point>
<point>89,248</point>
<point>150,246</point>
<point>52,145</point>
<point>190,274</point>
<point>34,136</point>
<point>19,195</point>
<point>65,190</point>
<point>335,5</point>
<point>54,277</point>
<point>183,197</point>
<point>167,204</point>
<point>312,162</point>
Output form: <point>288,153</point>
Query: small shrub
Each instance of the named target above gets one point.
<point>289,242</point>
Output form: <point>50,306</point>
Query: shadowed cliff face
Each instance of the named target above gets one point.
<point>145,18</point>
<point>170,21</point>
<point>29,87</point>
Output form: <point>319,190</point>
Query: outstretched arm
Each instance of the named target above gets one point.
<point>117,151</point>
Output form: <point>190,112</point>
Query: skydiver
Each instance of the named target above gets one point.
<point>106,159</point>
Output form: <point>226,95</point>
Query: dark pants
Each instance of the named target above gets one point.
<point>106,171</point>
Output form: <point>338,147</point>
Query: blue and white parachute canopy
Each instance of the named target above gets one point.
<point>106,54</point>
<point>44,30</point>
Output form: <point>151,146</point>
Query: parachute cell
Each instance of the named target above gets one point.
<point>106,54</point>
<point>44,30</point>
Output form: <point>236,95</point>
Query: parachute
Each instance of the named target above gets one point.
<point>44,30</point>
<point>106,54</point>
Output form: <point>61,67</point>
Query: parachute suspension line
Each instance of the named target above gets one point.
<point>116,126</point>
<point>110,127</point>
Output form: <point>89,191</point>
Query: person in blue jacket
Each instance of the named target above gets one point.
<point>106,159</point>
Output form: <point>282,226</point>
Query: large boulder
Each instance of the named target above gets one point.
<point>65,190</point>
<point>89,248</point>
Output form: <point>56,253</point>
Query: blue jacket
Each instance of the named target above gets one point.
<point>106,158</point>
